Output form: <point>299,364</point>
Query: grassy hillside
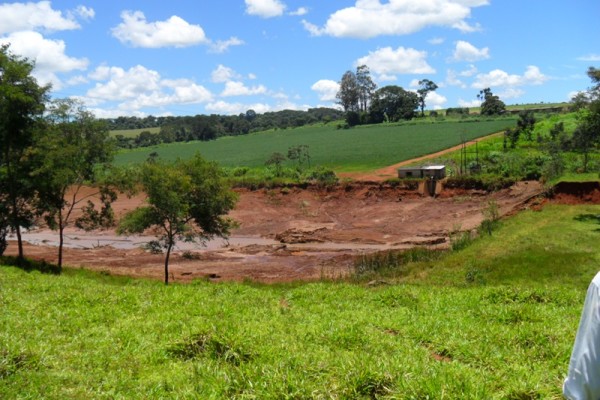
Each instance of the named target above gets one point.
<point>359,148</point>
<point>496,320</point>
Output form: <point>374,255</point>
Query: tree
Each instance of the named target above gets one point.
<point>348,95</point>
<point>300,154</point>
<point>491,104</point>
<point>71,153</point>
<point>366,87</point>
<point>276,160</point>
<point>425,86</point>
<point>393,103</point>
<point>526,123</point>
<point>187,200</point>
<point>587,134</point>
<point>22,103</point>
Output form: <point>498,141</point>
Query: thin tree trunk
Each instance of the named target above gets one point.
<point>61,230</point>
<point>167,261</point>
<point>21,256</point>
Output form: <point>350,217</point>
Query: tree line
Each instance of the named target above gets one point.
<point>209,127</point>
<point>364,103</point>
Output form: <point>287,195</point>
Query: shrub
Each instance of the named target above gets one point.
<point>392,261</point>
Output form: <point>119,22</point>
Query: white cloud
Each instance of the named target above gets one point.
<point>387,62</point>
<point>327,89</point>
<point>224,74</point>
<point>16,17</point>
<point>221,46</point>
<point>465,51</point>
<point>436,41</point>
<point>49,56</point>
<point>174,32</point>
<point>590,57</point>
<point>85,12</point>
<point>371,18</point>
<point>236,88</point>
<point>299,12</point>
<point>499,78</point>
<point>265,8</point>
<point>223,107</point>
<point>470,104</point>
<point>435,100</point>
<point>140,87</point>
<point>511,93</point>
<point>469,72</point>
<point>453,80</point>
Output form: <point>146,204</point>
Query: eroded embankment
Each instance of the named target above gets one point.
<point>296,233</point>
<point>575,193</point>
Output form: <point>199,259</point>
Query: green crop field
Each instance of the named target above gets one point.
<point>359,148</point>
<point>495,320</point>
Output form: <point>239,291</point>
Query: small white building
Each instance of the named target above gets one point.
<point>436,172</point>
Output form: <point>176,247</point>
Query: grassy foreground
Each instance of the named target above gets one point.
<point>494,321</point>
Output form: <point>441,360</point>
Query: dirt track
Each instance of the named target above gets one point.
<point>294,234</point>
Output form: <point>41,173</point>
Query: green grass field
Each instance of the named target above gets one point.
<point>360,148</point>
<point>493,321</point>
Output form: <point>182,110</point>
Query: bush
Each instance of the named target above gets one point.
<point>323,176</point>
<point>392,261</point>
<point>480,182</point>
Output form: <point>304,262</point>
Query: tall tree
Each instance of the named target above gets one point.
<point>22,103</point>
<point>366,87</point>
<point>491,104</point>
<point>393,103</point>
<point>425,87</point>
<point>348,95</point>
<point>586,136</point>
<point>187,200</point>
<point>74,149</point>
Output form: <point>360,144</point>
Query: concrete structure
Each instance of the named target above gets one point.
<point>436,172</point>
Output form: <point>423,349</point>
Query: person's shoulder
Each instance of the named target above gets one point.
<point>596,280</point>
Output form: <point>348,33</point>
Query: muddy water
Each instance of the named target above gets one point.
<point>83,240</point>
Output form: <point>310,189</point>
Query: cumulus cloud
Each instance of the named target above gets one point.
<point>174,32</point>
<point>299,12</point>
<point>49,56</point>
<point>223,74</point>
<point>16,17</point>
<point>469,104</point>
<point>236,88</point>
<point>223,107</point>
<point>465,51</point>
<point>84,12</point>
<point>387,62</point>
<point>139,87</point>
<point>327,89</point>
<point>499,78</point>
<point>371,18</point>
<point>435,100</point>
<point>265,8</point>
<point>221,46</point>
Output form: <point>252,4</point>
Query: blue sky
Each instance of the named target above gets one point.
<point>185,57</point>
